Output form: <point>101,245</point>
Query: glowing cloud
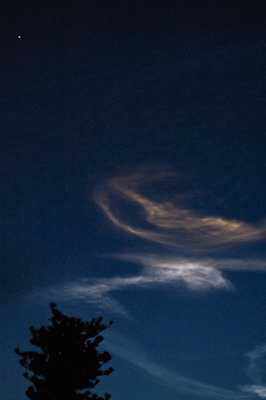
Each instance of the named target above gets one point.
<point>170,224</point>
<point>161,272</point>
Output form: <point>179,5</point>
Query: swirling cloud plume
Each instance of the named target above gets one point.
<point>170,224</point>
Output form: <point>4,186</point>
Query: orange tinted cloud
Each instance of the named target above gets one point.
<point>169,223</point>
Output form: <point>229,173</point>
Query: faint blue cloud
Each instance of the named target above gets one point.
<point>95,293</point>
<point>257,363</point>
<point>256,389</point>
<point>257,371</point>
<point>138,356</point>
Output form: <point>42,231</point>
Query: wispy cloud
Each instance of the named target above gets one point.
<point>161,272</point>
<point>171,224</point>
<point>256,371</point>
<point>257,363</point>
<point>137,355</point>
<point>256,389</point>
<point>95,293</point>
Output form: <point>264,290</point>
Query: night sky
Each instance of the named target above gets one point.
<point>132,159</point>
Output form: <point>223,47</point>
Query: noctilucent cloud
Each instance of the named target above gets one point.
<point>132,187</point>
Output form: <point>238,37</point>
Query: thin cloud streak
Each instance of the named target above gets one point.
<point>170,224</point>
<point>134,354</point>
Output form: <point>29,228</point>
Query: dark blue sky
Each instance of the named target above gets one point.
<point>132,186</point>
